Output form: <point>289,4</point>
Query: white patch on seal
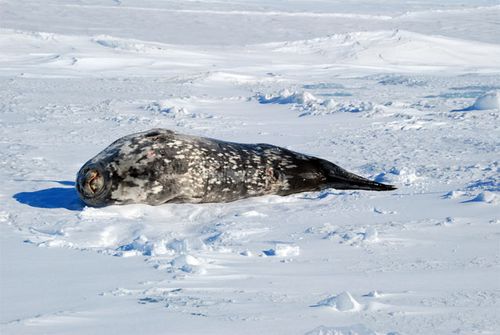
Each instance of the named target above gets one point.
<point>157,189</point>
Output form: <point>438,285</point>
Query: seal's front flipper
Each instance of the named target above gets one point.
<point>340,179</point>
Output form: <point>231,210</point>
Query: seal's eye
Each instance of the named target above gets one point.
<point>93,182</point>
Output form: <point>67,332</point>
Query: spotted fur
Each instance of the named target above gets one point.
<point>160,166</point>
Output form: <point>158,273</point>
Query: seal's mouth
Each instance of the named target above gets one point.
<point>91,184</point>
<point>94,182</point>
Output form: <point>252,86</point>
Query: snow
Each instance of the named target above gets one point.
<point>401,92</point>
<point>489,100</point>
<point>488,197</point>
<point>349,330</point>
<point>283,250</point>
<point>308,104</point>
<point>344,302</point>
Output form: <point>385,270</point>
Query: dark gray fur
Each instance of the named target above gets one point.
<point>160,166</point>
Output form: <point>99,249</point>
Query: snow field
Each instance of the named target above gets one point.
<point>401,101</point>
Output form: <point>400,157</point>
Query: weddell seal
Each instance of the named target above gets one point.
<point>160,166</point>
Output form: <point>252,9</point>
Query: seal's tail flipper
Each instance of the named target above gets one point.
<point>341,179</point>
<point>358,183</point>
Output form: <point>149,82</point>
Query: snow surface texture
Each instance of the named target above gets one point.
<point>404,93</point>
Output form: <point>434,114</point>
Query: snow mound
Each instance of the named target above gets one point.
<point>126,45</point>
<point>397,79</point>
<point>350,236</point>
<point>171,110</point>
<point>373,294</point>
<point>344,302</point>
<point>283,250</point>
<point>189,264</point>
<point>143,246</point>
<point>4,217</point>
<point>77,55</point>
<point>487,101</point>
<point>396,48</point>
<point>288,97</point>
<point>347,330</point>
<point>453,195</point>
<point>370,235</point>
<point>405,176</point>
<point>132,45</point>
<point>486,196</point>
<point>308,104</point>
<point>250,214</point>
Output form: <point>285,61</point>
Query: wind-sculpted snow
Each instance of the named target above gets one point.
<point>344,302</point>
<point>397,49</point>
<point>308,104</point>
<point>415,107</point>
<point>49,54</point>
<point>488,101</point>
<point>347,330</point>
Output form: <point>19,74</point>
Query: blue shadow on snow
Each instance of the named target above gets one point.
<point>62,182</point>
<point>56,197</point>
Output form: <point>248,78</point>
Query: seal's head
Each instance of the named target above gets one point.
<point>93,185</point>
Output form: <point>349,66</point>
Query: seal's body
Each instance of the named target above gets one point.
<point>160,166</point>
